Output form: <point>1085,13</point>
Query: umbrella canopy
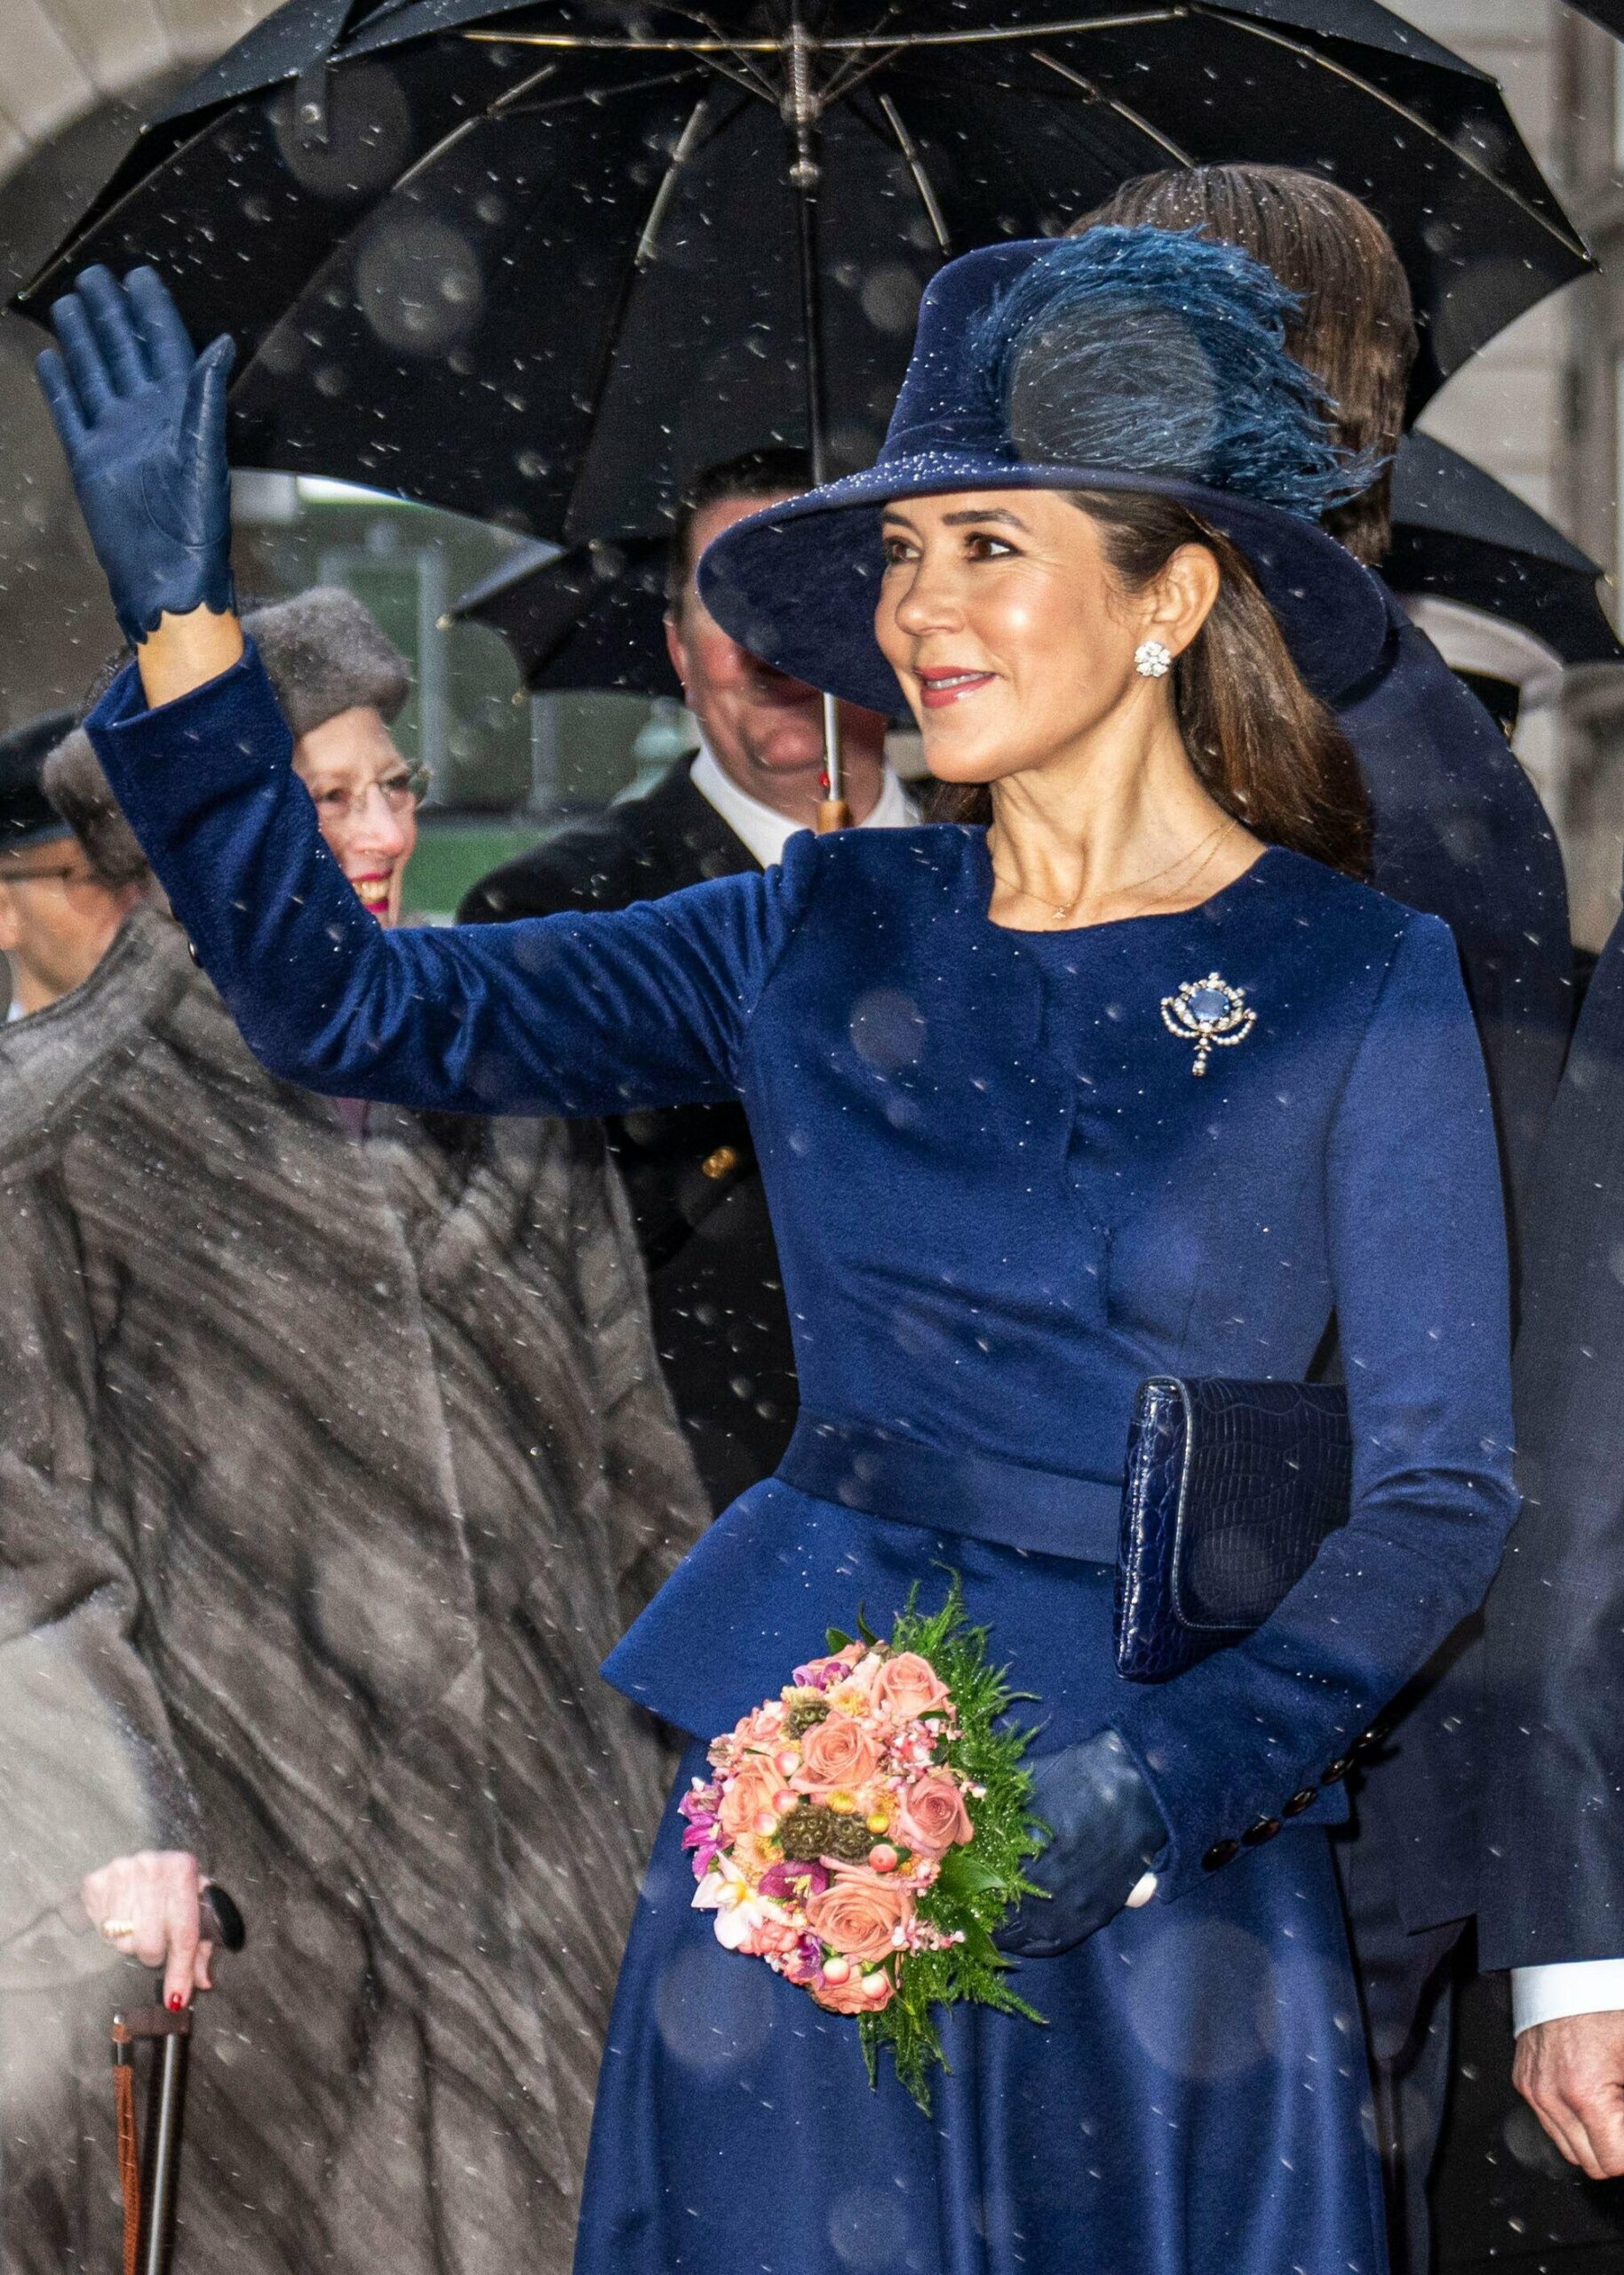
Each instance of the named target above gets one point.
<point>592,617</point>
<point>1459,535</point>
<point>539,262</point>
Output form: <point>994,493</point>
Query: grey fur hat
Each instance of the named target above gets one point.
<point>73,782</point>
<point>325,653</point>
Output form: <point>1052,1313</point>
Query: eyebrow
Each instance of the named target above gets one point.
<point>966,515</point>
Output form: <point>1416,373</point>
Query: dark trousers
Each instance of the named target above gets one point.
<point>1406,1987</point>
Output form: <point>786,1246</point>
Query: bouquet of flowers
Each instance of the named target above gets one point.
<point>866,1832</point>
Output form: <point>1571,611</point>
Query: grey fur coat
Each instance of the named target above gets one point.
<point>328,1471</point>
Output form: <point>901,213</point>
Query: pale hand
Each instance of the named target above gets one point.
<point>157,1898</point>
<point>1570,2073</point>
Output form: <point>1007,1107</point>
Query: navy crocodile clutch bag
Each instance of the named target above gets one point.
<point>1231,1487</point>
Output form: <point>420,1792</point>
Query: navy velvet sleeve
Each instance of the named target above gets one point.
<point>586,1014</point>
<point>1552,1874</point>
<point>1418,1267</point>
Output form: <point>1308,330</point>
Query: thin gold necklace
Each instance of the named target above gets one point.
<point>1066,908</point>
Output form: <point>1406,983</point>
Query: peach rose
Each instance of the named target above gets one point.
<point>853,1996</point>
<point>760,1729</point>
<point>908,1686</point>
<point>749,1791</point>
<point>933,1816</point>
<point>837,1753</point>
<point>774,1938</point>
<point>859,1913</point>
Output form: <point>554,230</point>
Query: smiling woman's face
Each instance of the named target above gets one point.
<point>365,801</point>
<point>1011,633</point>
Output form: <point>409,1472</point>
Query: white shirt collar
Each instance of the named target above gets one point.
<point>766,832</point>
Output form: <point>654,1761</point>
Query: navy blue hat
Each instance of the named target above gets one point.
<point>27,815</point>
<point>1134,360</point>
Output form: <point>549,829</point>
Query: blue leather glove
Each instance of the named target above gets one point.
<point>1107,1832</point>
<point>142,420</point>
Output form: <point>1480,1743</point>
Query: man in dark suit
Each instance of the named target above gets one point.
<point>1551,1899</point>
<point>720,1317</point>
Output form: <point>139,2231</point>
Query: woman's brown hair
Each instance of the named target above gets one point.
<point>1266,749</point>
<point>1356,330</point>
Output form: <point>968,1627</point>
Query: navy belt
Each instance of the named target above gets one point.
<point>1045,1512</point>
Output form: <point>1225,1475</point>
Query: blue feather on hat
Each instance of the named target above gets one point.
<point>1162,352</point>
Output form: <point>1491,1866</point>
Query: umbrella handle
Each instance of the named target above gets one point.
<point>128,2028</point>
<point>832,811</point>
<point>129,2152</point>
<point>801,110</point>
<point>222,1922</point>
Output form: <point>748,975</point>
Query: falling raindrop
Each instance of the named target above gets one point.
<point>418,282</point>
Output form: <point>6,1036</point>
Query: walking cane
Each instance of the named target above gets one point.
<point>223,1923</point>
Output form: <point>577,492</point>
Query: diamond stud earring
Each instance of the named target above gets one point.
<point>1152,661</point>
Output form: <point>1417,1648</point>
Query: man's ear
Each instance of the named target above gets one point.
<point>673,646</point>
<point>10,925</point>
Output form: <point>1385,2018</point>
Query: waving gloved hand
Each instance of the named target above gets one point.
<point>142,420</point>
<point>1107,1829</point>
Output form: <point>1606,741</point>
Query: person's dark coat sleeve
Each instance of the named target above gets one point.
<point>587,1015</point>
<point>1460,833</point>
<point>1417,1269</point>
<point>1552,1881</point>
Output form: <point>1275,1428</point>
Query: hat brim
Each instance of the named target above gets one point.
<point>797,584</point>
<point>20,836</point>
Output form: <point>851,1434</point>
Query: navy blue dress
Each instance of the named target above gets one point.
<point>1002,1198</point>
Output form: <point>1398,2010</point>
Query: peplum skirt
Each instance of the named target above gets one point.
<point>1196,2102</point>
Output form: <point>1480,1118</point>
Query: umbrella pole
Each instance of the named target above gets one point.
<point>800,117</point>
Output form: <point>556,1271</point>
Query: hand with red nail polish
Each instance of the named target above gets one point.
<point>148,1907</point>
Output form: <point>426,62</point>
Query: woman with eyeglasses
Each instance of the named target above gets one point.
<point>334,1454</point>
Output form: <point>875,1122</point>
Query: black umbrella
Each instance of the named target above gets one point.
<point>1459,535</point>
<point>538,263</point>
<point>591,617</point>
<point>543,262</point>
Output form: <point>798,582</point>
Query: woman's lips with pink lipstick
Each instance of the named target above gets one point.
<point>372,891</point>
<point>939,687</point>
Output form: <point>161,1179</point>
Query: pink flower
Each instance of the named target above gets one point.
<point>792,1882</point>
<point>855,1686</point>
<point>706,1848</point>
<point>859,1914</point>
<point>914,1745</point>
<point>805,1964</point>
<point>907,1687</point>
<point>760,1729</point>
<point>820,1674</point>
<point>837,1753</point>
<point>933,1816</point>
<point>698,1804</point>
<point>859,1994</point>
<point>773,1937</point>
<point>748,1793</point>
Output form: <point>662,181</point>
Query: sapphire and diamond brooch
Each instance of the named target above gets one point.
<point>1209,1013</point>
